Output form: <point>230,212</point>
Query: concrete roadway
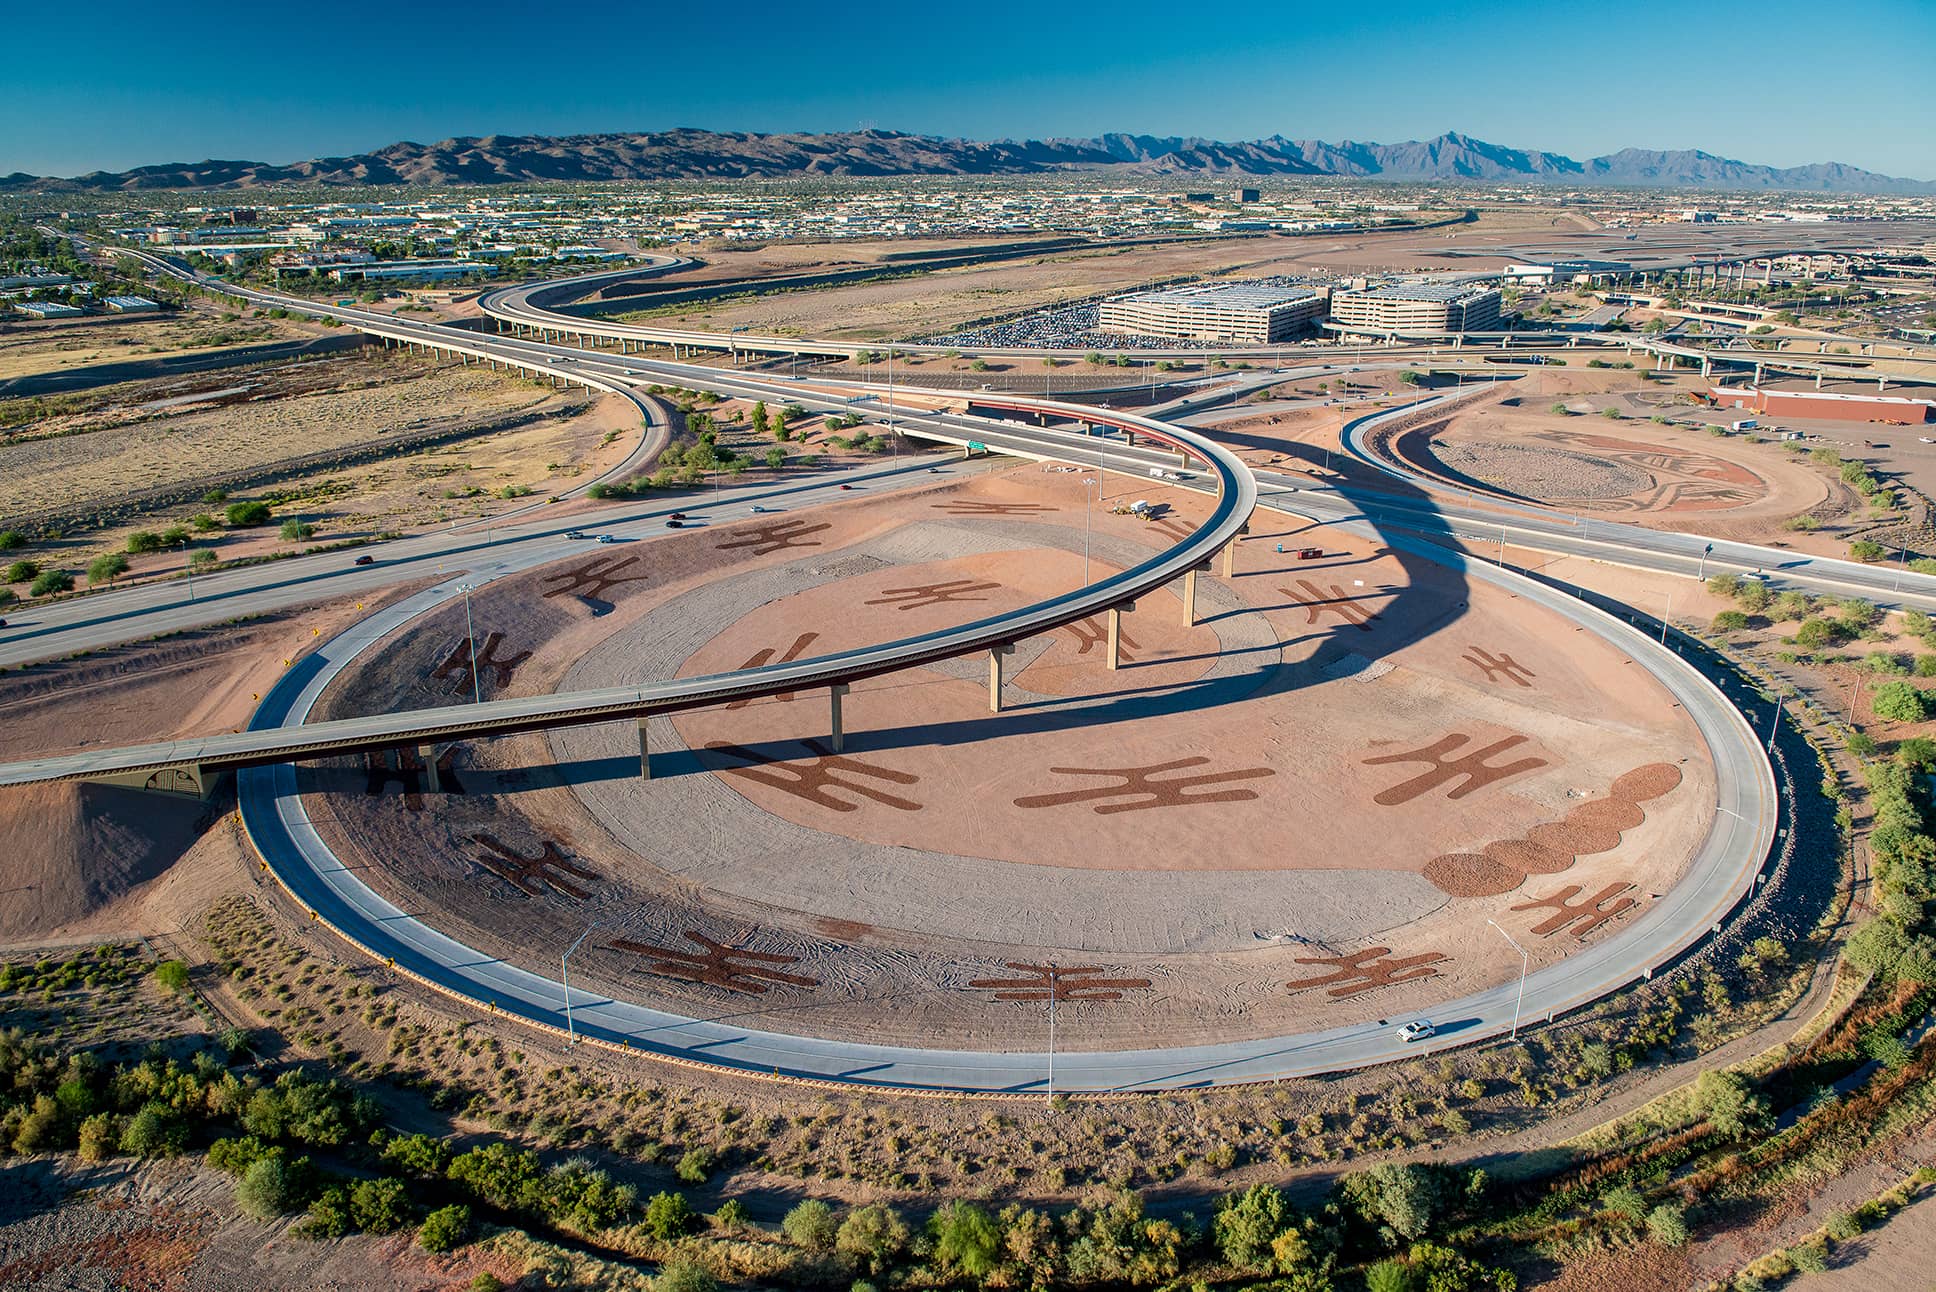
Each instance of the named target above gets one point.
<point>1236,493</point>
<point>1722,873</point>
<point>1485,516</point>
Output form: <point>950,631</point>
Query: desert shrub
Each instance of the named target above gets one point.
<point>1728,1103</point>
<point>731,1215</point>
<point>1842,1226</point>
<point>106,569</point>
<point>172,975</point>
<point>381,1206</point>
<point>419,1154</point>
<point>21,572</point>
<point>329,1214</point>
<point>1729,621</point>
<point>685,1276</point>
<point>100,1135</point>
<point>669,1216</point>
<point>1811,1257</point>
<point>1899,702</point>
<point>1667,1225</point>
<point>243,514</point>
<point>1814,634</point>
<point>871,1237</point>
<point>1247,1223</point>
<point>445,1229</point>
<point>1725,585</point>
<point>143,540</point>
<point>271,1187</point>
<point>236,1155</point>
<point>12,540</point>
<point>811,1225</point>
<point>155,1131</point>
<point>295,530</point>
<point>1863,549</point>
<point>1390,1276</point>
<point>1405,1197</point>
<point>966,1239</point>
<point>695,1165</point>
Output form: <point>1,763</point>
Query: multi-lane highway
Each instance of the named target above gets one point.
<point>1722,872</point>
<point>1720,875</point>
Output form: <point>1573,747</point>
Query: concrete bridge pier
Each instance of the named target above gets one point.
<point>836,731</point>
<point>1818,379</point>
<point>1115,622</point>
<point>996,654</point>
<point>645,753</point>
<point>1190,597</point>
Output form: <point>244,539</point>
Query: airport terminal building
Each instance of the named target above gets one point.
<point>1416,308</point>
<point>1255,313</point>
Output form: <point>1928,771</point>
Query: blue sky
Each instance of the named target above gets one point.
<point>111,84</point>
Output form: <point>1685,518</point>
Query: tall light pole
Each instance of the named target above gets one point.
<point>470,643</point>
<point>1052,996</point>
<point>1700,571</point>
<point>564,976</point>
<point>1524,962</point>
<point>1088,524</point>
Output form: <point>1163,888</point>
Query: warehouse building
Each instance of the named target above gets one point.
<point>1248,312</point>
<point>1822,405</point>
<point>1420,308</point>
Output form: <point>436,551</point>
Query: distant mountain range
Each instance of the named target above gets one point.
<point>705,154</point>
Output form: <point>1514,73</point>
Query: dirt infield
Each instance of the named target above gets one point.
<point>1234,833</point>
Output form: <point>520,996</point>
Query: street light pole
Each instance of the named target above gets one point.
<point>1524,962</point>
<point>564,976</point>
<point>1052,996</point>
<point>1088,525</point>
<point>470,644</point>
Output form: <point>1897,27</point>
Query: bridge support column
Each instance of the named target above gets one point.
<point>1115,622</point>
<point>426,756</point>
<point>995,656</point>
<point>645,753</point>
<point>1230,559</point>
<point>1190,598</point>
<point>1818,379</point>
<point>835,694</point>
<point>1707,366</point>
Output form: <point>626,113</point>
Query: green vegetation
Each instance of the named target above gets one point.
<point>103,570</point>
<point>242,514</point>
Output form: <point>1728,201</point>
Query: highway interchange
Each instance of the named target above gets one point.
<point>273,812</point>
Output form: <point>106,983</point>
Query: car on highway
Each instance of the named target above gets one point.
<point>846,486</point>
<point>675,523</point>
<point>759,510</point>
<point>606,538</point>
<point>1416,1030</point>
<point>573,533</point>
<point>677,515</point>
<point>365,559</point>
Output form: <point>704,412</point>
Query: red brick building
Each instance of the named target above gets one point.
<point>1822,405</point>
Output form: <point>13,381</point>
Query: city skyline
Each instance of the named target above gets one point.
<point>1545,77</point>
